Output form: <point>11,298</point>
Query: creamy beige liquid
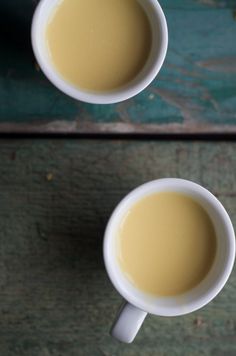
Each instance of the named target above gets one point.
<point>167,244</point>
<point>99,45</point>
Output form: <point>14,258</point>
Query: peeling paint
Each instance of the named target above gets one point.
<point>224,65</point>
<point>189,110</point>
<point>122,109</point>
<point>213,3</point>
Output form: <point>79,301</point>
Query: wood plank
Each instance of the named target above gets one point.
<point>195,91</point>
<point>56,197</point>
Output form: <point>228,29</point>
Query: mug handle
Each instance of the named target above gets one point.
<point>128,323</point>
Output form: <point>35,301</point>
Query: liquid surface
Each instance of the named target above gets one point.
<point>99,45</point>
<point>167,244</point>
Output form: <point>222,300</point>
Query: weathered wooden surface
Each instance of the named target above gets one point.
<point>55,199</point>
<point>194,93</point>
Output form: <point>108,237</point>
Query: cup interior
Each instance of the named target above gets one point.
<point>214,281</point>
<point>151,68</point>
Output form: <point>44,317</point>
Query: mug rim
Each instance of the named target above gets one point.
<point>92,97</point>
<point>206,297</point>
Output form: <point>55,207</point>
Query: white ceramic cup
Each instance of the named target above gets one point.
<point>154,62</point>
<point>138,303</point>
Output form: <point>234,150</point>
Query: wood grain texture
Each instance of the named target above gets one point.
<point>56,196</point>
<point>195,91</point>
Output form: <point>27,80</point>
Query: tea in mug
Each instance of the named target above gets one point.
<point>99,45</point>
<point>166,244</point>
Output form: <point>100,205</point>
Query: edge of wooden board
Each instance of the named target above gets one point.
<point>74,127</point>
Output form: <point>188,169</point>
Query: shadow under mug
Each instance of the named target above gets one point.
<point>138,303</point>
<point>150,70</point>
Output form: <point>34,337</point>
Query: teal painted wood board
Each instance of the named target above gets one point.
<point>195,92</point>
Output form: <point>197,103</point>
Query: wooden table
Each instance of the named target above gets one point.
<point>195,91</point>
<point>56,194</point>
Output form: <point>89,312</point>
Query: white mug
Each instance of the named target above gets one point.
<point>138,303</point>
<point>143,79</point>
